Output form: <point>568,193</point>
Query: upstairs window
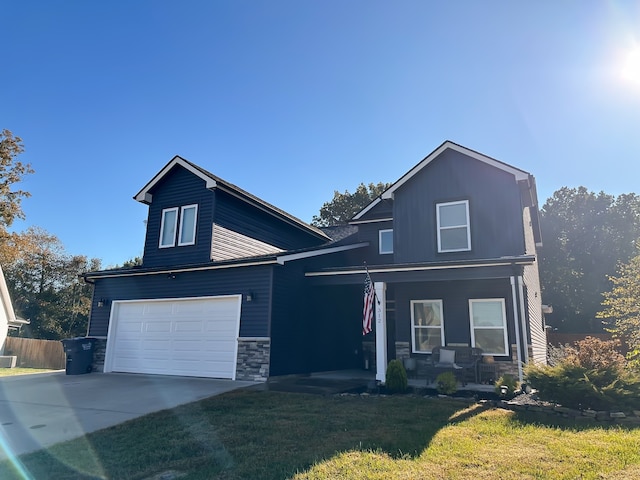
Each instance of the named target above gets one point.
<point>188,225</point>
<point>454,232</point>
<point>385,241</point>
<point>186,235</point>
<point>168,227</point>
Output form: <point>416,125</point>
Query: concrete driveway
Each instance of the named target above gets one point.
<point>37,411</point>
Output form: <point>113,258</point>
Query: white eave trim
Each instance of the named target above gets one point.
<point>183,269</point>
<point>145,197</point>
<point>516,172</point>
<point>416,268</point>
<point>367,208</point>
<point>282,259</point>
<point>373,220</point>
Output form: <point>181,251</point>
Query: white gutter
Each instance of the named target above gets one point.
<point>523,319</point>
<point>416,268</point>
<point>515,324</point>
<point>282,259</point>
<point>182,270</point>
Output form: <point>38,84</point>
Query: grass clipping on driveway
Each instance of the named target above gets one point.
<point>273,435</point>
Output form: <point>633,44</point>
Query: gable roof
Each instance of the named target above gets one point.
<point>520,175</point>
<point>213,182</point>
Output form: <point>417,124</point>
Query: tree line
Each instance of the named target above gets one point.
<point>589,261</point>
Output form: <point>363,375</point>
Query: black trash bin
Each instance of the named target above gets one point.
<point>79,352</point>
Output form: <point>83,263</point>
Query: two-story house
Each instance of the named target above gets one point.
<point>233,287</point>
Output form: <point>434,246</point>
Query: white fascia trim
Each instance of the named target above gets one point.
<point>367,208</point>
<point>184,269</point>
<point>517,173</point>
<point>413,269</point>
<point>145,197</point>
<point>315,253</point>
<point>376,220</point>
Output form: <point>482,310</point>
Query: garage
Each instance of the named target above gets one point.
<point>189,337</point>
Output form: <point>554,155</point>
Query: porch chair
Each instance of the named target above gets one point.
<point>457,359</point>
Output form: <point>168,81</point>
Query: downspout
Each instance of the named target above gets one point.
<point>517,330</point>
<point>523,320</point>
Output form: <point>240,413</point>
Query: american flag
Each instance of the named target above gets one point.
<point>367,311</point>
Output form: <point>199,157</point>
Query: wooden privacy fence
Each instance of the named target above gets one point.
<point>34,353</point>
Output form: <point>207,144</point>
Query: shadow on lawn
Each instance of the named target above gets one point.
<point>264,434</point>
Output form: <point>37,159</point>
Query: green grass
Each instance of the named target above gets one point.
<point>9,372</point>
<point>250,434</point>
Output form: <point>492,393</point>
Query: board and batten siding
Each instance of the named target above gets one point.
<point>290,329</point>
<point>255,280</point>
<point>369,232</point>
<point>455,305</point>
<point>495,210</point>
<point>178,189</point>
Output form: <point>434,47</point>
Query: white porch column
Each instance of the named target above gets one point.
<point>381,331</point>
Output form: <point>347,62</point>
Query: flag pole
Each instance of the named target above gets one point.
<point>375,296</point>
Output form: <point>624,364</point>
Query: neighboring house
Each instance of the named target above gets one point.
<point>7,315</point>
<point>233,287</point>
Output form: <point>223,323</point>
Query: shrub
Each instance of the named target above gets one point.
<point>506,385</point>
<point>446,383</point>
<point>595,354</point>
<point>396,378</point>
<point>575,386</point>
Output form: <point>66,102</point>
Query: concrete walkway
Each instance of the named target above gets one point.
<point>37,411</point>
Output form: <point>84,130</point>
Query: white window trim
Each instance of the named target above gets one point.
<point>467,225</point>
<point>504,325</point>
<point>195,223</point>
<point>380,232</point>
<point>413,325</point>
<point>162,227</point>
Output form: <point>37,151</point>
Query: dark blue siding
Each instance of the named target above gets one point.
<point>369,232</point>
<point>455,304</point>
<point>255,314</point>
<point>236,215</point>
<point>177,189</point>
<point>494,204</point>
<point>290,321</point>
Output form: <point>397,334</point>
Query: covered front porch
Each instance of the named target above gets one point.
<point>460,299</point>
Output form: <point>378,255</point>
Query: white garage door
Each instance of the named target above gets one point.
<point>193,337</point>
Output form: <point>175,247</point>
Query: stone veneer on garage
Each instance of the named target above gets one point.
<point>252,363</point>
<point>253,359</point>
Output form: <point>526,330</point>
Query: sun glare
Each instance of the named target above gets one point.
<point>630,71</point>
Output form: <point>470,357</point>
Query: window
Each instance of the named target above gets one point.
<point>489,325</point>
<point>454,233</point>
<point>385,241</point>
<point>169,226</point>
<point>188,225</point>
<point>427,328</point>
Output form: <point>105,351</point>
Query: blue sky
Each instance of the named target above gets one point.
<point>292,100</point>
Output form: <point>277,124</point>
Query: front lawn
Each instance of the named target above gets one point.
<point>252,434</point>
